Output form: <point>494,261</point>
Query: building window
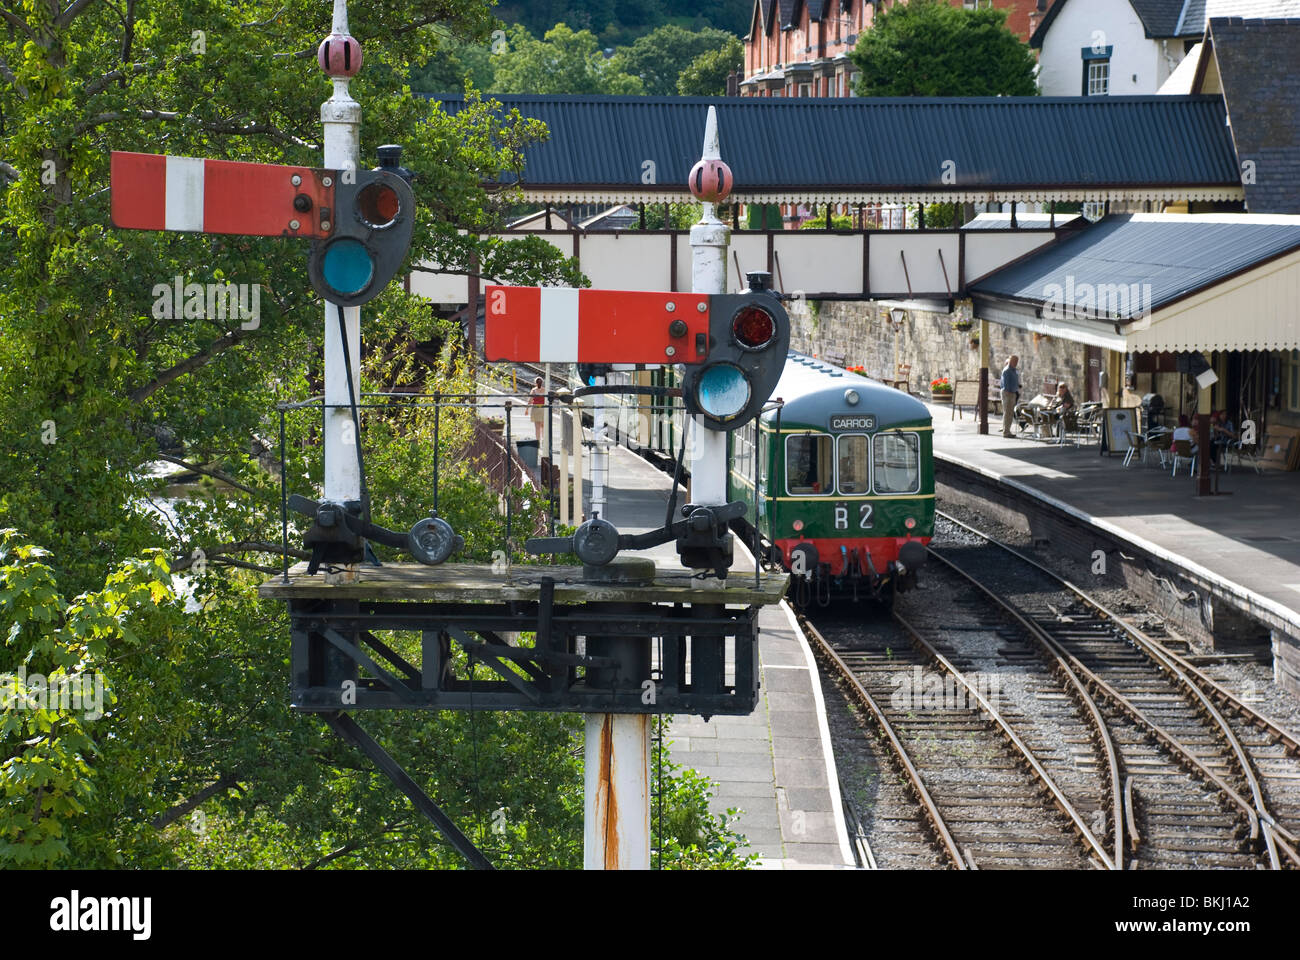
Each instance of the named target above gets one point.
<point>805,89</point>
<point>1094,210</point>
<point>1096,71</point>
<point>1098,80</point>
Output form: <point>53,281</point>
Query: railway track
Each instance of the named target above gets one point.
<point>982,798</point>
<point>1135,758</point>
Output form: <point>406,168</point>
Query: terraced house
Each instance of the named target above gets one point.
<point>800,48</point>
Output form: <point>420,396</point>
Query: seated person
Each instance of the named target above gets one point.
<point>1222,434</point>
<point>1063,402</point>
<point>1183,432</point>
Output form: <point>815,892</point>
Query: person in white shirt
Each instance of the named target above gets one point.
<point>1182,432</point>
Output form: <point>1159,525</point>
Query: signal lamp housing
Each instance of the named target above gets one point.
<point>749,336</point>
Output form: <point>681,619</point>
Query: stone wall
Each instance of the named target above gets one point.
<point>861,333</point>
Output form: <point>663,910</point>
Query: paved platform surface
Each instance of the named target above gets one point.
<point>776,765</point>
<point>1249,541</point>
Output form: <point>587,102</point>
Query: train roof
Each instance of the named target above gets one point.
<point>813,389</point>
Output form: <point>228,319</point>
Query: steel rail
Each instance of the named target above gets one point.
<point>1062,801</point>
<point>930,808</point>
<point>1168,662</point>
<point>1083,697</point>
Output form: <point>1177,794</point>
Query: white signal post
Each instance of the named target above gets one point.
<point>341,118</point>
<point>709,241</point>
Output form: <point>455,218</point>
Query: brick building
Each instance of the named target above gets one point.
<point>800,48</point>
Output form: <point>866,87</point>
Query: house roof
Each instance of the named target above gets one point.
<point>1169,19</point>
<point>867,150</point>
<point>1262,91</point>
<point>1024,221</point>
<point>1177,255</point>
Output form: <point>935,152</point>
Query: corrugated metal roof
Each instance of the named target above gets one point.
<point>1168,257</point>
<point>858,149</point>
<point>1024,221</point>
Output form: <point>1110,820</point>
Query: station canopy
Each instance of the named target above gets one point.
<point>1158,282</point>
<point>853,150</point>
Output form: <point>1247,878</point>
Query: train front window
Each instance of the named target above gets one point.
<point>809,465</point>
<point>898,463</point>
<point>855,465</point>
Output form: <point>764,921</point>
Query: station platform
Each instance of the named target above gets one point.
<point>1244,541</point>
<point>776,765</point>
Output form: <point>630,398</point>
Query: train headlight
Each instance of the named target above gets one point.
<point>798,525</point>
<point>723,391</point>
<point>852,397</point>
<point>910,523</point>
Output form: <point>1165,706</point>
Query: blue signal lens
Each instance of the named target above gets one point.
<point>723,391</point>
<point>347,267</point>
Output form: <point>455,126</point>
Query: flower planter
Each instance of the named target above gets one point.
<point>941,397</point>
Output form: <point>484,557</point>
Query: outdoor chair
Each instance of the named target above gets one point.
<point>1236,449</point>
<point>1137,445</point>
<point>1183,451</point>
<point>1089,419</point>
<point>1026,415</point>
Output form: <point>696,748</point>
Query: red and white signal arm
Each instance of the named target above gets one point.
<point>156,192</point>
<point>569,325</point>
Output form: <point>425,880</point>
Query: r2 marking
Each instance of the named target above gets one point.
<point>842,516</point>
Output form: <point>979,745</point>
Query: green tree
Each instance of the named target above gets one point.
<point>927,48</point>
<point>563,61</point>
<point>706,75</point>
<point>455,61</point>
<point>197,760</point>
<point>659,57</point>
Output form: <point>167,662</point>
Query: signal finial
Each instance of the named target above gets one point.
<point>339,54</point>
<point>710,179</point>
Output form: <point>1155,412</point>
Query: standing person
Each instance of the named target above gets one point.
<point>1010,384</point>
<point>537,409</point>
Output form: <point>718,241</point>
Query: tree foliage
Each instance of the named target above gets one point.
<point>928,48</point>
<point>706,75</point>
<point>563,61</point>
<point>659,58</point>
<point>619,22</point>
<point>197,760</point>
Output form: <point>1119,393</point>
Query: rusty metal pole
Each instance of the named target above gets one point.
<point>1203,455</point>
<point>616,755</point>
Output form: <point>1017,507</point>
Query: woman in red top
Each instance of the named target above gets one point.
<point>537,409</point>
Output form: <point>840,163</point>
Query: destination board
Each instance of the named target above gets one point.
<point>853,421</point>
